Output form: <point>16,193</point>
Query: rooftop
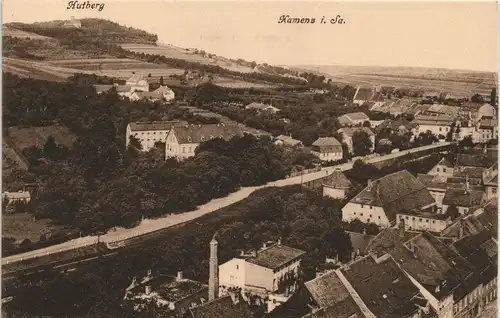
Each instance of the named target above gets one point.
<point>485,160</point>
<point>201,133</point>
<point>327,141</point>
<point>289,141</point>
<point>223,307</point>
<point>360,241</point>
<point>348,118</point>
<point>395,192</point>
<point>432,181</point>
<point>396,124</point>
<point>169,288</point>
<point>349,131</point>
<point>463,198</point>
<point>388,239</point>
<point>155,125</point>
<point>275,256</point>
<point>337,180</point>
<point>363,93</point>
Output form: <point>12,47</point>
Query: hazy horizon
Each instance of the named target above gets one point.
<point>446,35</point>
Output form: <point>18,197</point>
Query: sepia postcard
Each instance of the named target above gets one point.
<point>254,159</point>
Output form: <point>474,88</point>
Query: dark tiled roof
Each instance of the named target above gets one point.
<point>395,192</point>
<point>102,88</point>
<point>471,172</point>
<point>479,249</point>
<point>349,131</point>
<point>327,290</point>
<point>222,307</point>
<point>383,287</point>
<point>346,308</point>
<point>489,218</point>
<point>357,116</point>
<point>327,141</point>
<point>477,160</point>
<point>388,239</point>
<point>445,162</point>
<point>363,93</point>
<point>275,256</point>
<point>432,181</point>
<point>155,125</point>
<point>463,198</point>
<point>337,180</point>
<point>200,133</point>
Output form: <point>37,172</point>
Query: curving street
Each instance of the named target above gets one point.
<point>151,225</point>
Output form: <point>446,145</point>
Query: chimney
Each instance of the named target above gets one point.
<point>179,276</point>
<point>213,282</point>
<point>402,228</point>
<point>148,289</point>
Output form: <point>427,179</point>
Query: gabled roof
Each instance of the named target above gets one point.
<point>337,180</point>
<point>383,286</point>
<point>102,88</point>
<point>200,133</point>
<point>156,125</point>
<point>163,89</point>
<point>396,124</point>
<point>463,198</point>
<point>395,192</point>
<point>289,141</point>
<point>440,120</point>
<point>363,93</point>
<point>478,160</point>
<point>479,249</point>
<point>326,141</point>
<point>356,116</point>
<point>332,297</point>
<point>432,181</point>
<point>445,162</point>
<point>275,256</point>
<point>350,131</point>
<point>136,78</point>
<point>471,172</point>
<point>222,307</point>
<point>388,239</point>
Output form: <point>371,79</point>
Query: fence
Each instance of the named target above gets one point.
<point>306,171</point>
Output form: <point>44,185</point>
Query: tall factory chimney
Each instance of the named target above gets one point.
<point>213,280</point>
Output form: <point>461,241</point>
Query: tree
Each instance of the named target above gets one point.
<point>50,148</point>
<point>161,81</point>
<point>476,98</point>
<point>450,134</point>
<point>493,97</point>
<point>361,143</point>
<point>452,212</point>
<point>466,143</point>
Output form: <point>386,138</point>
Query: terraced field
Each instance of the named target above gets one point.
<point>6,31</point>
<point>188,55</point>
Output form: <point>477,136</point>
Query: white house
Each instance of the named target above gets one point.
<point>486,111</point>
<point>423,221</point>
<point>353,119</point>
<point>137,83</point>
<point>348,133</point>
<point>151,96</point>
<point>327,149</point>
<point>336,185</point>
<point>167,93</point>
<point>148,133</point>
<point>382,199</point>
<point>272,268</point>
<point>73,23</point>
<point>436,184</point>
<point>19,196</point>
<point>443,168</point>
<point>182,141</point>
<point>368,94</point>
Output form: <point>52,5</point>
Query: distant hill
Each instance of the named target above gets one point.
<point>92,29</point>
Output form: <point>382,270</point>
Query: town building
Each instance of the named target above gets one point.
<point>383,198</point>
<point>368,94</point>
<point>182,141</point>
<point>349,132</point>
<point>150,96</point>
<point>353,119</point>
<point>336,185</point>
<point>436,184</point>
<point>274,269</point>
<point>327,149</point>
<point>288,141</point>
<point>444,168</point>
<point>423,221</point>
<point>399,126</point>
<point>463,199</point>
<point>436,124</point>
<point>73,23</point>
<point>13,197</point>
<point>149,133</point>
<point>486,111</point>
<point>487,129</point>
<point>229,306</point>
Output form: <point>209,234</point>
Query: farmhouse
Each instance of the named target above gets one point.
<point>167,93</point>
<point>327,149</point>
<point>137,83</point>
<point>348,133</point>
<point>353,119</point>
<point>149,133</point>
<point>288,141</point>
<point>382,199</point>
<point>182,141</point>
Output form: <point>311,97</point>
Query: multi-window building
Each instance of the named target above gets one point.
<point>149,133</point>
<point>327,149</point>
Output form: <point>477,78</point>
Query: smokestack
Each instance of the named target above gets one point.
<point>179,276</point>
<point>213,282</point>
<point>148,289</point>
<point>402,228</point>
<point>369,184</point>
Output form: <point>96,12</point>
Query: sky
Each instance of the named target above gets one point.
<point>428,34</point>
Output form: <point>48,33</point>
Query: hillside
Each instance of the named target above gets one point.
<point>91,30</point>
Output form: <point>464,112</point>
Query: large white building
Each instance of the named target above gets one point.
<point>384,198</point>
<point>137,83</point>
<point>438,125</point>
<point>182,141</point>
<point>271,269</point>
<point>148,133</point>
